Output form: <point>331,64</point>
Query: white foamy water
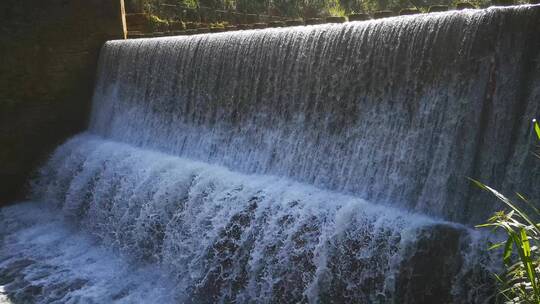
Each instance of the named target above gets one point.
<point>227,237</point>
<point>43,259</point>
<point>398,111</point>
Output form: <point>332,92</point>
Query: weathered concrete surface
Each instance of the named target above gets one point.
<point>48,53</point>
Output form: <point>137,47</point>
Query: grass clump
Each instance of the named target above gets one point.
<point>520,280</point>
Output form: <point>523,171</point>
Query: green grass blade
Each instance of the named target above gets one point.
<point>507,253</point>
<point>524,250</point>
<point>507,202</point>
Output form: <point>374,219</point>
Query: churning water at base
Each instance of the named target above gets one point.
<point>226,237</point>
<point>43,259</point>
<point>318,164</point>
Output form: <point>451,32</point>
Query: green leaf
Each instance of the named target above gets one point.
<point>536,128</point>
<point>524,250</point>
<point>508,202</point>
<point>507,253</point>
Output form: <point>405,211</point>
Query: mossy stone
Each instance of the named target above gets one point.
<point>203,30</point>
<point>276,24</point>
<point>336,19</point>
<point>383,14</point>
<point>260,25</point>
<point>251,18</point>
<point>438,8</point>
<point>314,21</point>
<point>464,5</point>
<point>359,17</point>
<point>217,29</point>
<point>409,11</point>
<point>176,26</point>
<point>295,22</point>
<point>135,35</point>
<point>503,2</point>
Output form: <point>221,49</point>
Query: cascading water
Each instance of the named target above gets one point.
<point>293,165</point>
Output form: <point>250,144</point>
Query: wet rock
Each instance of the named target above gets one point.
<point>430,265</point>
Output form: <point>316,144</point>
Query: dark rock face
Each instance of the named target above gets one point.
<point>426,274</point>
<point>434,263</point>
<point>49,52</point>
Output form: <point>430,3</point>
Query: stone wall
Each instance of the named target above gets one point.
<point>49,51</point>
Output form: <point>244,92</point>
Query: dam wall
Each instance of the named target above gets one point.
<point>49,52</point>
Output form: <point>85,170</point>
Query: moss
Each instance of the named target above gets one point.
<point>157,25</point>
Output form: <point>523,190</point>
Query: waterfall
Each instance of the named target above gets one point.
<point>313,164</point>
<point>398,111</point>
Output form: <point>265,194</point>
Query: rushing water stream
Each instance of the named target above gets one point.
<point>310,164</point>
